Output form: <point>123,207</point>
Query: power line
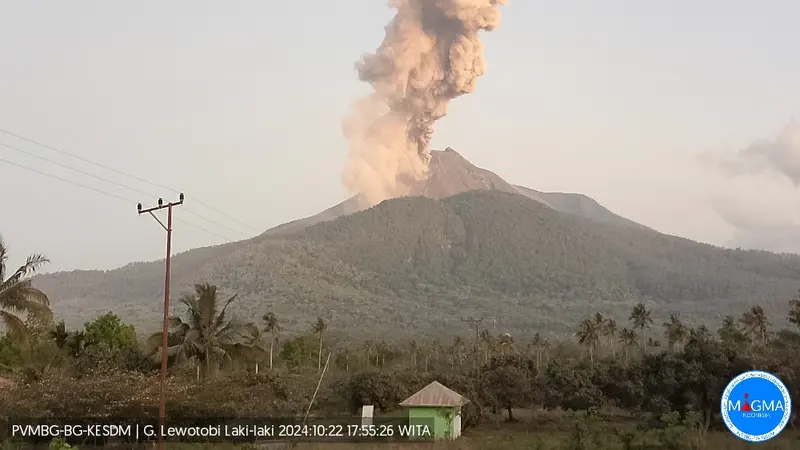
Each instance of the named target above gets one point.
<point>74,169</point>
<point>116,184</point>
<point>110,194</point>
<point>80,158</point>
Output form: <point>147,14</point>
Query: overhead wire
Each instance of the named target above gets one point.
<point>110,194</point>
<point>120,172</point>
<point>74,169</point>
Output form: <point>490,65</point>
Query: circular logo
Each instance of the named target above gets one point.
<point>756,406</point>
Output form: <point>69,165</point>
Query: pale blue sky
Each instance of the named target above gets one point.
<point>240,104</point>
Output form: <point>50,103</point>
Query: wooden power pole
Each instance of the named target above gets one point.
<point>162,404</point>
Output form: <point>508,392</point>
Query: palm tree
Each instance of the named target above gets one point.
<point>609,329</point>
<point>59,335</point>
<point>413,347</point>
<point>729,332</point>
<point>506,343</point>
<point>368,346</point>
<point>319,328</point>
<point>487,342</point>
<point>77,342</point>
<point>588,334</point>
<point>456,351</point>
<point>755,324</point>
<point>539,345</point>
<point>628,339</point>
<point>207,336</point>
<point>640,316</point>
<point>675,332</point>
<point>794,311</point>
<point>18,296</point>
<point>271,328</point>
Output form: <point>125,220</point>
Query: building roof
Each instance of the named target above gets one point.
<point>5,383</point>
<point>435,394</point>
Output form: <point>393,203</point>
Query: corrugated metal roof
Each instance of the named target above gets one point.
<point>6,383</point>
<point>435,394</point>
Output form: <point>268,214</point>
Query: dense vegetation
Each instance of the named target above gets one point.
<point>636,383</point>
<point>417,265</point>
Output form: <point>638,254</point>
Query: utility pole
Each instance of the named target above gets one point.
<point>476,323</point>
<point>162,405</point>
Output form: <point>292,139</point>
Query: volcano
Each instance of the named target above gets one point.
<point>451,174</point>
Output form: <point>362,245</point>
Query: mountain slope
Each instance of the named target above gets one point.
<point>418,264</point>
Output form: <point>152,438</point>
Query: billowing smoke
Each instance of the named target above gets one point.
<point>431,54</point>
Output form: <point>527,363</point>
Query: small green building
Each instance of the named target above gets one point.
<point>436,407</point>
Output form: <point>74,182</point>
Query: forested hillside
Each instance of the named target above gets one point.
<point>418,265</point>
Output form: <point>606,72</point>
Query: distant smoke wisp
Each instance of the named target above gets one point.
<point>431,54</point>
<point>762,207</point>
<point>779,155</point>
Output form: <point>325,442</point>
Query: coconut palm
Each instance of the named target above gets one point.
<point>729,331</point>
<point>794,311</point>
<point>271,328</point>
<point>319,328</point>
<point>640,317</point>
<point>628,339</point>
<point>588,334</point>
<point>539,344</point>
<point>19,300</point>
<point>675,331</point>
<point>609,330</point>
<point>755,324</point>
<point>506,343</point>
<point>59,335</point>
<point>487,344</point>
<point>207,336</point>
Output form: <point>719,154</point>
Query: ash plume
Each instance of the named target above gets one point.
<point>430,55</point>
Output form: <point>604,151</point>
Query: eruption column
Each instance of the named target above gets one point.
<point>430,55</point>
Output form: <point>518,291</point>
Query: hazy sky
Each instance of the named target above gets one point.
<point>240,104</point>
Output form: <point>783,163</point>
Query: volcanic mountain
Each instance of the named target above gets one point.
<point>451,174</point>
<point>466,243</point>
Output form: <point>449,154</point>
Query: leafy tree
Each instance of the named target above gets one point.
<point>568,385</point>
<point>109,331</point>
<point>641,320</point>
<point>207,336</point>
<point>10,353</point>
<point>508,382</point>
<point>18,296</point>
<point>299,351</point>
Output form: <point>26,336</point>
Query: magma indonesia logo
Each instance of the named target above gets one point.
<point>756,406</point>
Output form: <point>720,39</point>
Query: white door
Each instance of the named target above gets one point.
<point>457,425</point>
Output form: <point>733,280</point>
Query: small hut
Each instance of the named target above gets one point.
<point>438,407</point>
